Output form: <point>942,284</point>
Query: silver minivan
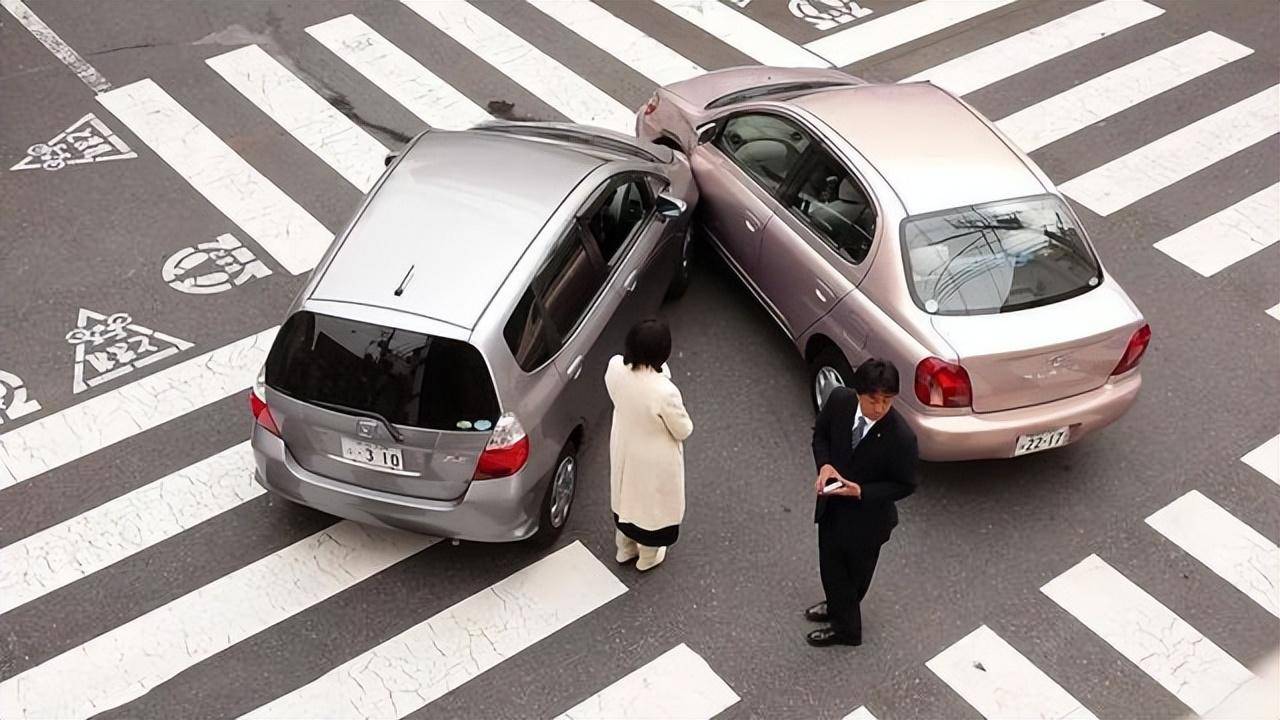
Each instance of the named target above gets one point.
<point>442,366</point>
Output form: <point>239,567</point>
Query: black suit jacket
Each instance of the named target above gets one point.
<point>884,465</point>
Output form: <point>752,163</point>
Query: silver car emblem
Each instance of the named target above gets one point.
<point>366,428</point>
<point>1058,361</point>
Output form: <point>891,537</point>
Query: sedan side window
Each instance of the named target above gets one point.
<point>622,210</point>
<point>550,310</point>
<point>831,202</point>
<point>767,147</point>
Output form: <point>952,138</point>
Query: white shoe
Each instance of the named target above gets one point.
<point>658,557</point>
<point>626,556</point>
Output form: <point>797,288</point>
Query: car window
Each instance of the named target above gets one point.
<point>567,284</point>
<point>622,210</point>
<point>767,147</point>
<point>527,334</point>
<point>830,200</point>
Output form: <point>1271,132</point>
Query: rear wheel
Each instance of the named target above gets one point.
<point>680,280</point>
<point>828,370</point>
<point>558,499</point>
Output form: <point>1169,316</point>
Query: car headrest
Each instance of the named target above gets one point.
<point>849,192</point>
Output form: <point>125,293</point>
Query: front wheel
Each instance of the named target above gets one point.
<point>827,371</point>
<point>558,499</point>
<point>680,280</point>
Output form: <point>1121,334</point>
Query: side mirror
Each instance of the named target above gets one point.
<point>706,133</point>
<point>671,207</point>
<point>391,157</point>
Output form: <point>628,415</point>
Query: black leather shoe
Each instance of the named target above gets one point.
<point>817,613</point>
<point>826,637</point>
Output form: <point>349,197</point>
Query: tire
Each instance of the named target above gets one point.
<point>827,367</point>
<point>551,517</point>
<point>680,280</point>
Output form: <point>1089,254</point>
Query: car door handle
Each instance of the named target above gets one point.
<point>822,291</point>
<point>752,225</point>
<point>630,283</point>
<point>575,368</point>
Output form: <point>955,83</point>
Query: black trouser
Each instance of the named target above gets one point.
<point>846,564</point>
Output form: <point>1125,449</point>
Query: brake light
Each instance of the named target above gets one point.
<point>652,105</point>
<point>1134,352</point>
<point>507,451</point>
<point>943,384</point>
<point>262,413</point>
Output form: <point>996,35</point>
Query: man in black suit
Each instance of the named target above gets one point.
<point>866,457</point>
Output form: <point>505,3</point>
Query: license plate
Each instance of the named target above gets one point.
<point>1041,441</point>
<point>372,454</point>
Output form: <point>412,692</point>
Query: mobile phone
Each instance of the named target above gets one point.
<point>833,485</point>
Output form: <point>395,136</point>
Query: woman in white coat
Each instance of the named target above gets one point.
<point>646,446</point>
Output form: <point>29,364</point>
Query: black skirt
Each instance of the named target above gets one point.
<point>649,538</point>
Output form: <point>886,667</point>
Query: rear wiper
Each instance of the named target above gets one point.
<point>391,429</point>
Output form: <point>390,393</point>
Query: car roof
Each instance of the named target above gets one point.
<point>459,209</point>
<point>931,148</point>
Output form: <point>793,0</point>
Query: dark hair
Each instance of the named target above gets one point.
<point>648,343</point>
<point>875,377</point>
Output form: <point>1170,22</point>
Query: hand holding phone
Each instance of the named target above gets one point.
<point>833,484</point>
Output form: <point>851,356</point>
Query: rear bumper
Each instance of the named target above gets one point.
<point>978,436</point>
<point>499,510</point>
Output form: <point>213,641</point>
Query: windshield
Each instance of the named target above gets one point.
<point>999,257</point>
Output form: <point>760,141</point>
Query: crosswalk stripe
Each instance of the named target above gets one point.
<point>1087,103</point>
<point>999,682</point>
<point>1150,635</point>
<point>1178,155</point>
<point>742,33</point>
<point>899,27</point>
<point>354,153</point>
<point>524,64</point>
<point>428,660</point>
<point>861,713</point>
<point>1236,552</point>
<point>1012,55</point>
<point>1266,457</point>
<point>1228,236</point>
<point>62,554</point>
<point>632,47</point>
<point>677,684</point>
<point>276,223</point>
<point>119,414</point>
<point>419,90</point>
<point>126,662</point>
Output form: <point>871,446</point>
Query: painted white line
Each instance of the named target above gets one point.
<point>428,660</point>
<point>354,153</point>
<point>1111,93</point>
<point>62,554</point>
<point>900,27</point>
<point>861,713</point>
<point>1275,312</point>
<point>1236,552</point>
<point>1153,637</point>
<point>1229,236</point>
<point>742,33</point>
<point>1178,155</point>
<point>632,47</point>
<point>679,684</point>
<point>47,37</point>
<point>84,428</point>
<point>1014,54</point>
<point>124,663</point>
<point>1266,458</point>
<point>526,65</point>
<point>999,682</point>
<point>278,224</point>
<point>419,90</point>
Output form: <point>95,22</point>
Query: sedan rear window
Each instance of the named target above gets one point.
<point>407,378</point>
<point>998,257</point>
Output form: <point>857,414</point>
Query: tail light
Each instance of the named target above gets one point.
<point>943,384</point>
<point>258,405</point>
<point>652,105</point>
<point>507,451</point>
<point>1133,353</point>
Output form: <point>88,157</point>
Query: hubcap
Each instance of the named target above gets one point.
<point>827,379</point>
<point>562,491</point>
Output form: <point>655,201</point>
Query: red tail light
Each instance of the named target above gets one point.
<point>262,413</point>
<point>652,105</point>
<point>943,384</point>
<point>507,451</point>
<point>1133,353</point>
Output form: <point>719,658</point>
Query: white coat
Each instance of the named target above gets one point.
<point>646,446</point>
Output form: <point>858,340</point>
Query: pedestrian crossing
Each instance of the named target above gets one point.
<point>410,670</point>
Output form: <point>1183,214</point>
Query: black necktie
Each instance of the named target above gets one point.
<point>859,429</point>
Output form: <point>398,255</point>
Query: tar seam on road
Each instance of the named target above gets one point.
<point>69,57</point>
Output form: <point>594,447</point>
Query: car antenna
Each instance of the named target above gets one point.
<point>405,282</point>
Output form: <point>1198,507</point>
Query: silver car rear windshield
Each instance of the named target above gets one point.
<point>403,377</point>
<point>997,257</point>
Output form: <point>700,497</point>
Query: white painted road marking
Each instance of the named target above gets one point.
<point>1236,552</point>
<point>861,713</point>
<point>1275,312</point>
<point>278,224</point>
<point>742,33</point>
<point>678,685</point>
<point>1014,54</point>
<point>47,37</point>
<point>223,263</point>
<point>126,662</point>
<point>1153,637</point>
<point>74,549</point>
<point>1228,236</point>
<point>121,413</point>
<point>1178,155</point>
<point>311,120</point>
<point>642,53</point>
<point>87,140</point>
<point>899,27</point>
<point>419,90</point>
<point>113,346</point>
<point>999,682</point>
<point>526,65</point>
<point>14,400</point>
<point>1111,93</point>
<point>1266,457</point>
<point>428,660</point>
